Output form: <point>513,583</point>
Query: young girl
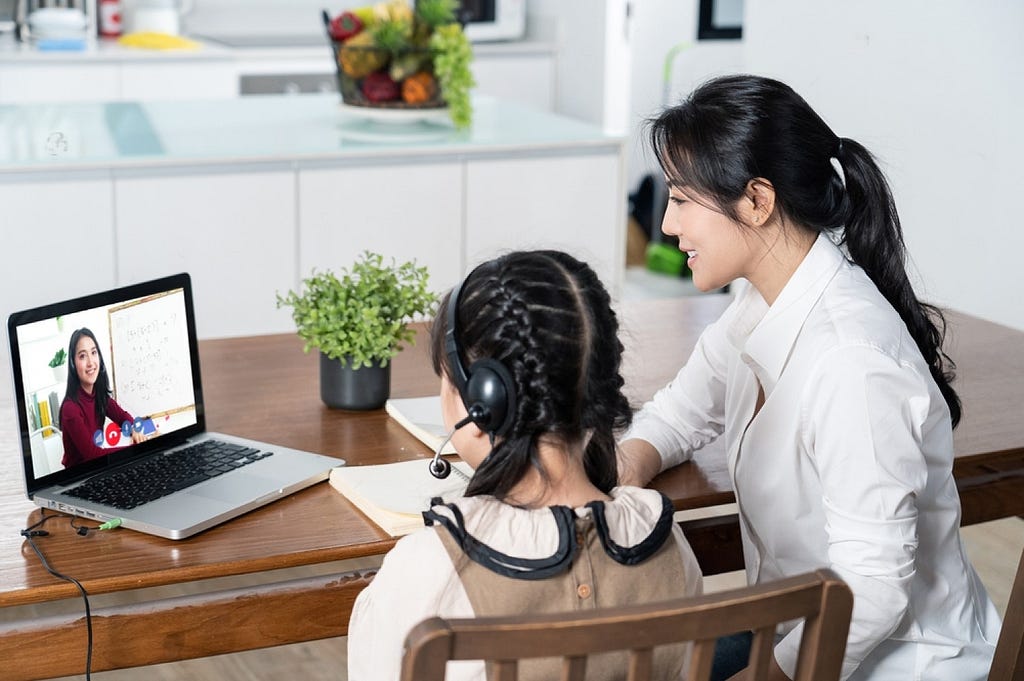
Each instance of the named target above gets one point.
<point>826,376</point>
<point>87,401</point>
<point>528,353</point>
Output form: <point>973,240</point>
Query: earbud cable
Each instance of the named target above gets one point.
<point>29,534</point>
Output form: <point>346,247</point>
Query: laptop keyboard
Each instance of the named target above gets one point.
<point>165,474</point>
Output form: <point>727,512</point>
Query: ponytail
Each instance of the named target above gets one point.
<point>874,240</point>
<point>736,128</point>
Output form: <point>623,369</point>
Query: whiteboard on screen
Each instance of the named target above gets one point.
<point>150,360</point>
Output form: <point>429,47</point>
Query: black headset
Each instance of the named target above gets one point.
<point>486,388</point>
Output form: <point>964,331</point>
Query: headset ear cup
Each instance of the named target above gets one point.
<point>491,396</point>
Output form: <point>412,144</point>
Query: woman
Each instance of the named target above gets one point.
<point>528,353</point>
<point>87,402</point>
<point>826,377</point>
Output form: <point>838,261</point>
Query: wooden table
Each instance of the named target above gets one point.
<point>266,388</point>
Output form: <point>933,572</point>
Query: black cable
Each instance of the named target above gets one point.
<point>29,533</point>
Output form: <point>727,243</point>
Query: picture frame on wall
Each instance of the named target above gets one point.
<point>720,20</point>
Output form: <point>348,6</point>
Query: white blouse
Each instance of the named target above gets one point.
<point>847,465</point>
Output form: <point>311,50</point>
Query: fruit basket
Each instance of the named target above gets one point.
<point>378,78</point>
<point>393,56</point>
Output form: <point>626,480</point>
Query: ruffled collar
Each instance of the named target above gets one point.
<point>538,543</point>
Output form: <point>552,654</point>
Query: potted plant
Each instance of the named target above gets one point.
<point>358,320</point>
<point>59,366</point>
<point>393,55</point>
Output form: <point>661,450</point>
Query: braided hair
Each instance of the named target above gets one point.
<point>548,319</point>
<point>733,129</point>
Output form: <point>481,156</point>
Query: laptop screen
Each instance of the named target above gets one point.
<point>105,377</point>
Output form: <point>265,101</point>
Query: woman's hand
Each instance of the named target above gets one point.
<point>639,462</point>
<point>138,437</point>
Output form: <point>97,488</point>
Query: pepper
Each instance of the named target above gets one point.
<point>344,26</point>
<point>419,88</point>
<point>379,87</point>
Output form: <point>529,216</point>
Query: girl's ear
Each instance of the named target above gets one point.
<point>758,203</point>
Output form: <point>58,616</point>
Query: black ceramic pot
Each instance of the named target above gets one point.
<point>342,387</point>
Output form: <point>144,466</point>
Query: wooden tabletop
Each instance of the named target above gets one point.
<point>266,388</point>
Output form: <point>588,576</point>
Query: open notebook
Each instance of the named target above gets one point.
<point>150,462</point>
<point>394,495</point>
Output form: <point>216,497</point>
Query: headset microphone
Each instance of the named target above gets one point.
<point>440,467</point>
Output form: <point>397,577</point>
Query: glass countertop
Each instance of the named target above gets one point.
<point>41,137</point>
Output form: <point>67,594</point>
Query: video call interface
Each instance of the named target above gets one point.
<point>137,349</point>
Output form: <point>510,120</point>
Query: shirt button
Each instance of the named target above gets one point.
<point>583,591</point>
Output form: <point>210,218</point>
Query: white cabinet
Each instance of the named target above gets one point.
<point>64,81</point>
<point>516,73</point>
<point>232,230</point>
<point>178,80</point>
<point>409,211</point>
<point>24,81</point>
<point>58,235</point>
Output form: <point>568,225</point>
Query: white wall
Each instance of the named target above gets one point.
<point>593,57</point>
<point>657,27</point>
<point>934,89</point>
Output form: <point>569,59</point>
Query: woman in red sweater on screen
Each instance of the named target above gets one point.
<point>87,402</point>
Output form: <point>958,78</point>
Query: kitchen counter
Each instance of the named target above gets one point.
<point>230,47</point>
<point>106,50</point>
<point>249,195</point>
<point>105,135</point>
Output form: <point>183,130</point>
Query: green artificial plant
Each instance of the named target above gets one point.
<point>360,315</point>
<point>58,358</point>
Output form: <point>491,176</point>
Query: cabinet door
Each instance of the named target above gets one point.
<point>573,204</point>
<point>58,238</point>
<point>175,80</point>
<point>233,231</point>
<point>58,82</point>
<point>411,211</point>
<point>58,242</point>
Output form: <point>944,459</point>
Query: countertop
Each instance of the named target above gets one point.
<point>269,129</point>
<point>103,50</point>
<point>225,47</point>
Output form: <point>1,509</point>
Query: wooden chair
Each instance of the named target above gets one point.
<point>1008,662</point>
<point>820,598</point>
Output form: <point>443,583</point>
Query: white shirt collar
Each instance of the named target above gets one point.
<point>765,335</point>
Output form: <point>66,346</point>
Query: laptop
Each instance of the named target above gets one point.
<point>151,463</point>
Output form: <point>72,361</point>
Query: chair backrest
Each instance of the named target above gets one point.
<point>1008,662</point>
<point>820,598</point>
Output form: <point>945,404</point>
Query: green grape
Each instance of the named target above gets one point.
<point>452,57</point>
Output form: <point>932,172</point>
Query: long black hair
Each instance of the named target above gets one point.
<point>548,319</point>
<point>101,389</point>
<point>733,129</point>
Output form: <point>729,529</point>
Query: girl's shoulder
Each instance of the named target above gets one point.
<point>633,520</point>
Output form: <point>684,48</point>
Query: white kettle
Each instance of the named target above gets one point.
<point>157,16</point>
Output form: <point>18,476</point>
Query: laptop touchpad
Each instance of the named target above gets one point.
<point>237,488</point>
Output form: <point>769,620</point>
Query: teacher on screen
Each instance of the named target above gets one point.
<point>87,401</point>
